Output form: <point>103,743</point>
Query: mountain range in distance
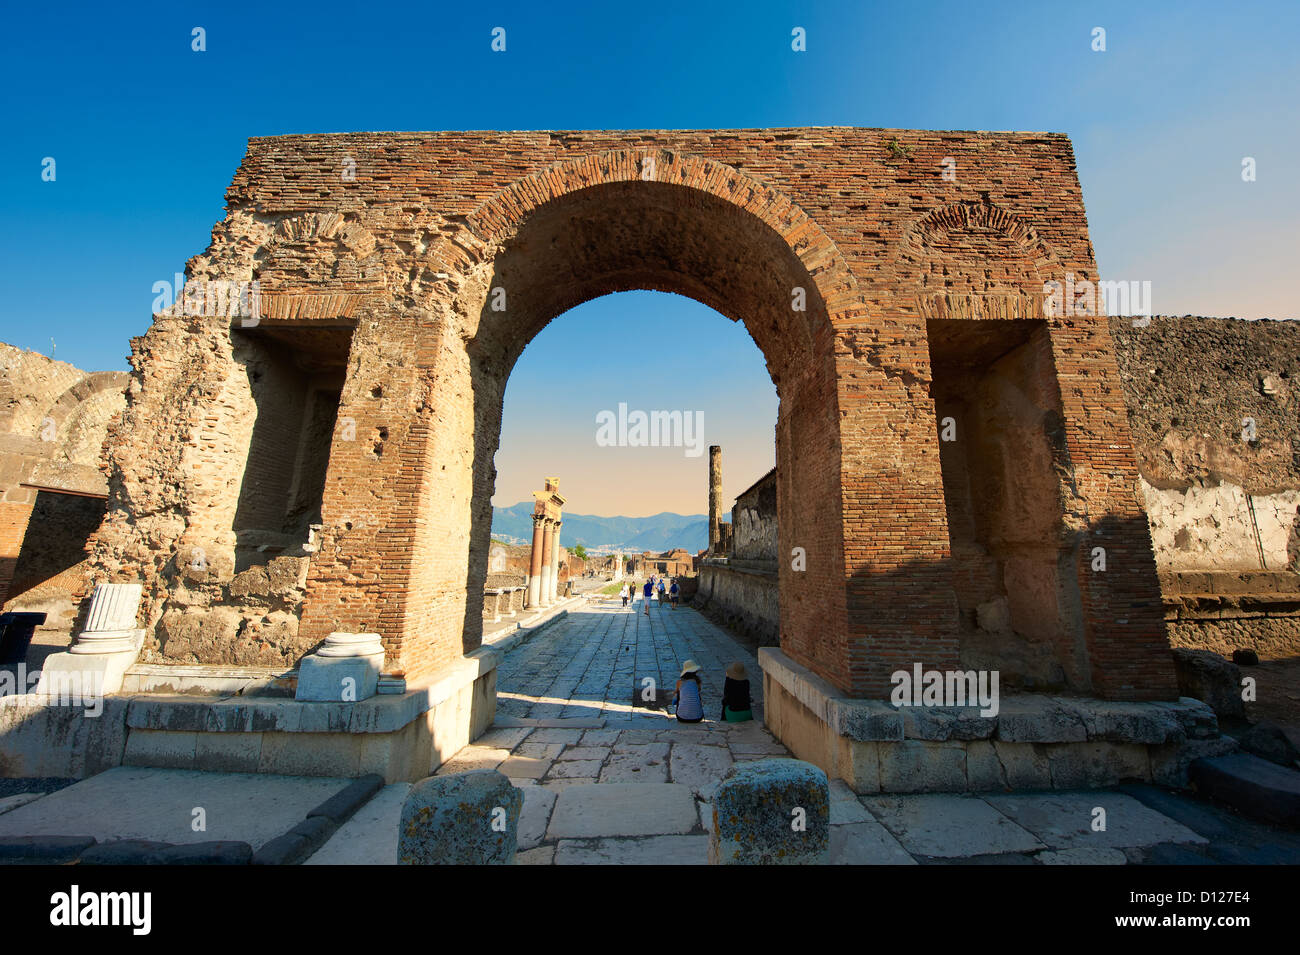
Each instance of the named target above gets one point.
<point>630,535</point>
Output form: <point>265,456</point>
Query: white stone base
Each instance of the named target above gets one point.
<point>338,679</point>
<point>88,674</point>
<point>402,737</point>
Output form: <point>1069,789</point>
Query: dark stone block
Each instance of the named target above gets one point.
<point>1255,786</point>
<point>206,853</point>
<point>46,850</point>
<point>349,799</point>
<point>123,852</point>
<point>288,849</point>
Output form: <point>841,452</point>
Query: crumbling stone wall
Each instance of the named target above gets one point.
<point>754,520</point>
<point>53,421</point>
<point>429,260</point>
<point>1215,415</point>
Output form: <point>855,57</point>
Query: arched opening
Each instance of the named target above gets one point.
<point>621,400</point>
<point>656,236</point>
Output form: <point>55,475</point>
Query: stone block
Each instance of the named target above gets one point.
<point>43,850</point>
<point>590,810</point>
<point>1251,785</point>
<point>1206,676</point>
<point>1130,722</point>
<point>938,723</point>
<point>1024,765</point>
<point>858,764</point>
<point>310,754</point>
<point>771,812</point>
<point>1039,719</point>
<point>340,807</point>
<point>467,819</point>
<point>338,679</point>
<point>864,720</point>
<point>917,766</point>
<point>984,771</point>
<point>228,752</point>
<point>1091,765</point>
<point>160,749</point>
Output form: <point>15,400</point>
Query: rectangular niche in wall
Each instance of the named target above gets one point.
<point>1001,450</point>
<point>295,377</point>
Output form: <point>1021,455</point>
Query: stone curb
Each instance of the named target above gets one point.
<point>352,797</point>
<point>522,635</point>
<point>142,852</point>
<point>44,850</point>
<point>304,839</point>
<point>1252,785</point>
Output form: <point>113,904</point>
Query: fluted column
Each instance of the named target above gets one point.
<point>535,563</point>
<point>548,563</point>
<point>555,564</point>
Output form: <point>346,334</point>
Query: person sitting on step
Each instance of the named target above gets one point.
<point>736,707</point>
<point>688,697</point>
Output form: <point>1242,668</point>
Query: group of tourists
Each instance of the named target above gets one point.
<point>654,587</point>
<point>687,697</point>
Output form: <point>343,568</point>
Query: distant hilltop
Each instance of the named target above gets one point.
<point>632,535</point>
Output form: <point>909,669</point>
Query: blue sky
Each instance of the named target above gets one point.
<point>146,133</point>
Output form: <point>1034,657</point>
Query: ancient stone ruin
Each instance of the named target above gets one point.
<point>957,478</point>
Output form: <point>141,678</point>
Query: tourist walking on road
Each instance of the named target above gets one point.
<point>673,594</point>
<point>624,593</point>
<point>687,698</point>
<point>649,592</point>
<point>663,598</point>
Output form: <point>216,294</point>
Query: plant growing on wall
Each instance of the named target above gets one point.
<point>897,151</point>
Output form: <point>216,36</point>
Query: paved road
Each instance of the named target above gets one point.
<point>607,782</point>
<point>594,663</point>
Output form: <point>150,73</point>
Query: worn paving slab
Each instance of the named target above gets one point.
<point>655,850</point>
<point>700,767</point>
<point>866,843</point>
<point>370,836</point>
<point>618,809</point>
<point>1082,856</point>
<point>944,825</point>
<point>1065,820</point>
<point>535,815</point>
<point>474,757</point>
<point>18,799</point>
<point>130,802</point>
<point>637,764</point>
<point>542,855</point>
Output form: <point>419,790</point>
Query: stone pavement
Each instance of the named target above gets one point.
<point>606,782</point>
<point>161,805</point>
<point>592,664</point>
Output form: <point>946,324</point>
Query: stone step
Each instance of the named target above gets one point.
<point>1252,785</point>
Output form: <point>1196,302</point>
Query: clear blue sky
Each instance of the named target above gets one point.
<point>147,133</point>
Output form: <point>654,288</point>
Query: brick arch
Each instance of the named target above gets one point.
<point>500,217</point>
<point>468,352</point>
<point>975,259</point>
<point>73,398</point>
